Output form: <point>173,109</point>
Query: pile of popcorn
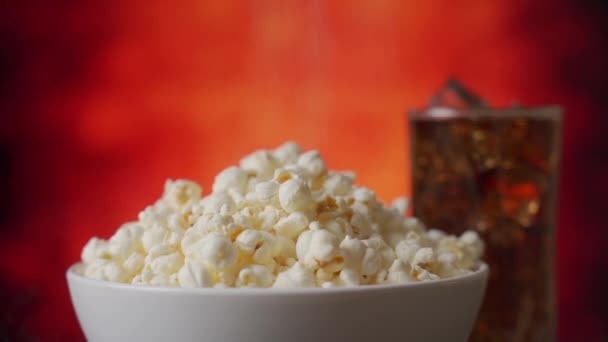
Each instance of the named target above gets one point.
<point>280,219</point>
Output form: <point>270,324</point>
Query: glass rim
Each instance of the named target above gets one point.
<point>553,112</point>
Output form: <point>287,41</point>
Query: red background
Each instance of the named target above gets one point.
<point>101,101</point>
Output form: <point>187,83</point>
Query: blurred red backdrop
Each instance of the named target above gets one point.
<point>101,101</point>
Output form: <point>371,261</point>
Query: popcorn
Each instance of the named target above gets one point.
<point>339,227</point>
<point>406,249</point>
<point>349,277</point>
<point>217,251</point>
<point>287,153</point>
<point>254,276</point>
<point>103,270</point>
<point>317,248</point>
<point>95,249</point>
<point>178,193</point>
<point>280,219</point>
<point>361,225</point>
<point>262,162</point>
<point>291,226</point>
<point>364,195</point>
<point>422,263</point>
<point>400,204</point>
<point>231,178</point>
<point>134,263</point>
<point>267,218</point>
<point>294,196</point>
<point>267,192</point>
<point>281,175</point>
<point>399,273</point>
<point>219,203</point>
<point>163,259</point>
<point>353,250</point>
<point>338,184</point>
<point>126,240</point>
<point>284,251</point>
<point>153,237</point>
<point>370,263</point>
<point>472,244</point>
<point>194,274</point>
<point>296,276</point>
<point>257,244</point>
<point>313,164</point>
<point>212,223</point>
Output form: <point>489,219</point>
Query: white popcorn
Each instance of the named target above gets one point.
<point>387,254</point>
<point>254,276</point>
<point>292,225</point>
<point>212,223</point>
<point>370,262</point>
<point>246,217</point>
<point>472,244</point>
<point>294,195</point>
<point>219,203</point>
<point>313,164</point>
<point>339,227</point>
<point>279,220</point>
<point>96,269</point>
<point>353,250</point>
<point>164,280</point>
<point>267,218</point>
<point>262,162</point>
<point>399,273</point>
<point>435,235</point>
<point>195,274</point>
<point>296,276</point>
<point>181,191</point>
<point>338,184</point>
<point>315,225</point>
<point>364,195</point>
<point>106,270</point>
<point>113,272</point>
<point>406,249</point>
<point>126,240</point>
<point>155,214</point>
<point>361,225</point>
<point>328,285</point>
<point>231,178</point>
<point>281,175</point>
<point>267,192</point>
<point>258,244</point>
<point>423,274</point>
<point>323,275</point>
<point>217,251</point>
<point>318,248</point>
<point>423,256</point>
<point>284,251</point>
<point>413,224</point>
<point>190,242</point>
<point>176,222</point>
<point>163,259</point>
<point>94,250</point>
<point>401,204</point>
<point>134,263</point>
<point>287,153</point>
<point>423,261</point>
<point>153,237</point>
<point>349,277</point>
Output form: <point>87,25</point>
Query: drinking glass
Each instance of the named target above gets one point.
<point>495,171</point>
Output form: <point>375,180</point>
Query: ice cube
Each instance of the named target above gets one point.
<point>455,95</point>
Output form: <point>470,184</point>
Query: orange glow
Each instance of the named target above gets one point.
<point>110,98</point>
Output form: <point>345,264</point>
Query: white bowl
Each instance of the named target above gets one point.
<point>440,310</point>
